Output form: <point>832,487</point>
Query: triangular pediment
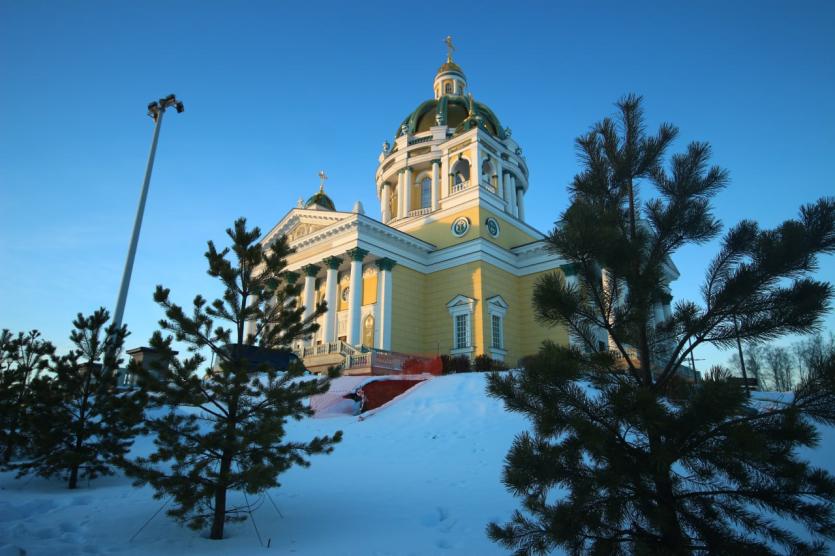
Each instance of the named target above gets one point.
<point>299,223</point>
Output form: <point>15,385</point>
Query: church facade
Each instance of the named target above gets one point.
<point>450,266</point>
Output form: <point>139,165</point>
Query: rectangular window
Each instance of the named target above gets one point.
<point>461,336</point>
<point>498,341</point>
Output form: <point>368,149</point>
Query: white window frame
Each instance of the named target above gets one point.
<point>497,307</point>
<point>461,305</point>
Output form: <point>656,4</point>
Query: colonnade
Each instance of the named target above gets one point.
<point>382,333</point>
<point>506,187</point>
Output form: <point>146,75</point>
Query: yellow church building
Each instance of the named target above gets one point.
<point>450,266</point>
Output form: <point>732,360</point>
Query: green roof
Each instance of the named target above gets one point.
<point>322,200</point>
<point>454,111</point>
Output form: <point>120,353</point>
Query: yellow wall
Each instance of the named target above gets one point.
<point>532,333</point>
<point>509,235</point>
<point>342,303</point>
<point>407,310</point>
<point>499,282</point>
<point>439,230</point>
<point>421,323</point>
<point>441,287</point>
<point>369,289</point>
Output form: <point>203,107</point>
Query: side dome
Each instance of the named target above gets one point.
<point>320,200</point>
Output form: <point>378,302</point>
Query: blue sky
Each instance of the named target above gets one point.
<point>276,91</point>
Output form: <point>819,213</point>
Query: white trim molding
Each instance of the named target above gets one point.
<point>462,306</point>
<point>497,307</point>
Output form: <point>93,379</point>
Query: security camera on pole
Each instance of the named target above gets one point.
<point>155,110</point>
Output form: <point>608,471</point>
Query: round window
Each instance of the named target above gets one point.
<point>492,226</point>
<point>460,226</point>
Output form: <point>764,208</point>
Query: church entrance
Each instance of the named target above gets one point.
<point>368,331</point>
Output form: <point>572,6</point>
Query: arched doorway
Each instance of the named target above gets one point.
<point>368,331</point>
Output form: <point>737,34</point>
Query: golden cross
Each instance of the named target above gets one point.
<point>450,48</point>
<point>322,177</point>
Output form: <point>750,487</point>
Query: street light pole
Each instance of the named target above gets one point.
<point>741,358</point>
<point>156,110</point>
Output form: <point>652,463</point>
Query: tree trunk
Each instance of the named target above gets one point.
<point>219,518</point>
<point>673,540</point>
<point>73,477</point>
<point>7,452</point>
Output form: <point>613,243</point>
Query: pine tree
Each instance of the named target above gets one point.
<point>624,455</point>
<point>225,431</point>
<point>81,424</point>
<point>22,359</point>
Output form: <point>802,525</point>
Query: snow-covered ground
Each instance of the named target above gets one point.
<point>419,476</point>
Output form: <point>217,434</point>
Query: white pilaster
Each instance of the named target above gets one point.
<point>444,177</point>
<point>384,301</point>
<point>331,277</point>
<point>436,170</point>
<point>355,296</point>
<point>475,165</point>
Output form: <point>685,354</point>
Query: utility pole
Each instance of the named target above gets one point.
<point>155,110</point>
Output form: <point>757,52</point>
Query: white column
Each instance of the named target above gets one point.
<point>386,208</point>
<point>520,203</point>
<point>407,182</point>
<point>401,195</point>
<point>331,277</point>
<point>384,300</point>
<point>310,272</point>
<point>436,183</point>
<point>355,296</point>
<point>505,190</point>
<point>250,324</point>
<point>512,181</point>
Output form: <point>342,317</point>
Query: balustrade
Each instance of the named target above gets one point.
<point>458,187</point>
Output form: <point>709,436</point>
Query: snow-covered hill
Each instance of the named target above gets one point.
<point>420,476</point>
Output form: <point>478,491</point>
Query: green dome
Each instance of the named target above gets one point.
<point>450,67</point>
<point>320,199</point>
<point>455,112</point>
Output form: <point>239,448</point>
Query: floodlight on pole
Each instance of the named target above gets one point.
<point>156,110</point>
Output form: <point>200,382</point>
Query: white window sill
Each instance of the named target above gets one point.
<point>498,353</point>
<point>462,351</point>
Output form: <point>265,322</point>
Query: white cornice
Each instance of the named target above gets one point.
<point>349,230</point>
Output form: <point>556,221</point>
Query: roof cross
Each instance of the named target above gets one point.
<point>450,48</point>
<point>322,177</point>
